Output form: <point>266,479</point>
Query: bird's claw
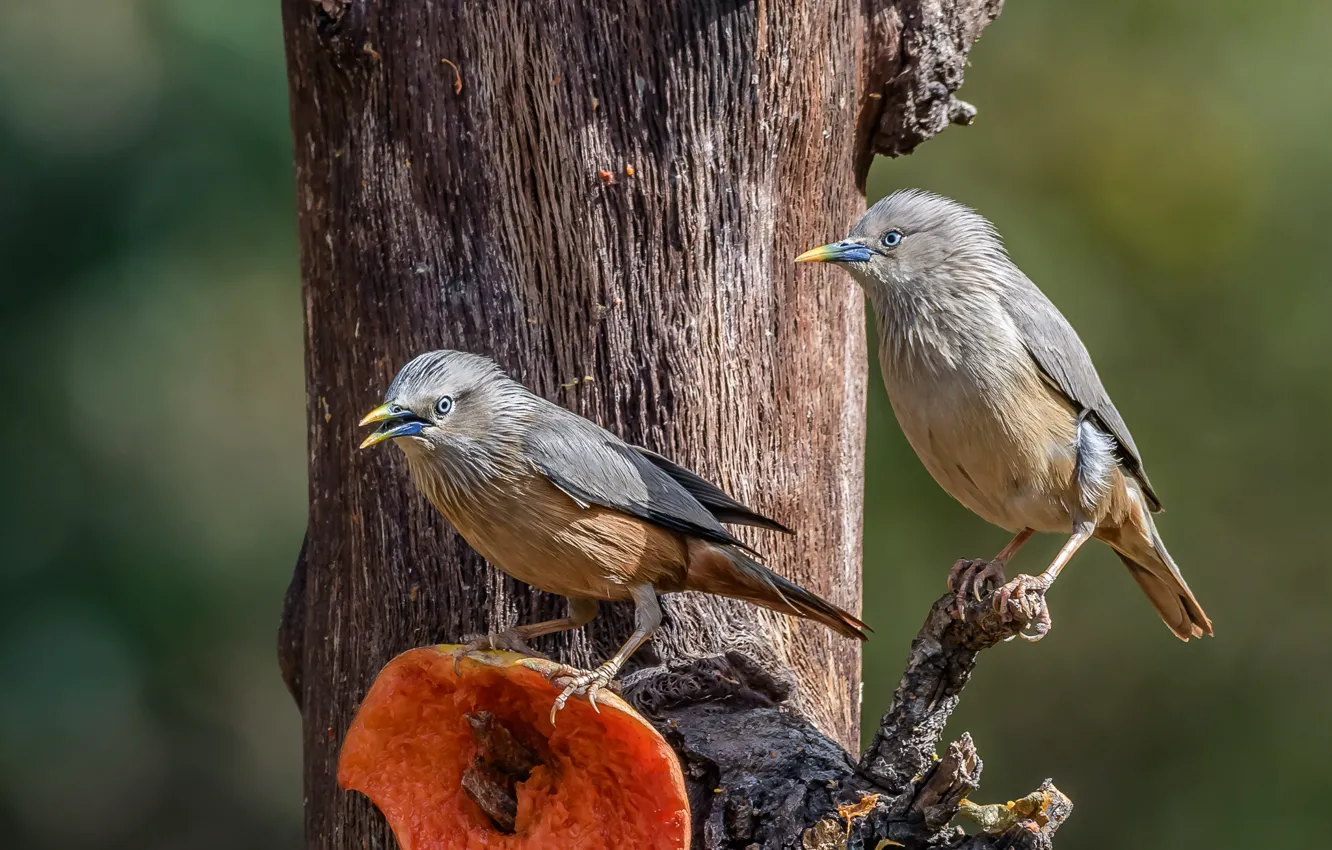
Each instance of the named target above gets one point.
<point>581,682</point>
<point>1023,600</point>
<point>968,577</point>
<point>508,640</point>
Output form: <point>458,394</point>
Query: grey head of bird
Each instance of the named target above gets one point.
<point>455,414</point>
<point>917,246</point>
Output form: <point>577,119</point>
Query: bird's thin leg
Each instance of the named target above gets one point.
<point>581,612</point>
<point>969,575</point>
<point>1011,599</point>
<point>647,617</point>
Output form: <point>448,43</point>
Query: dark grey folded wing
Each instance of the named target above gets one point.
<point>1064,361</point>
<point>596,468</point>
<point>710,496</point>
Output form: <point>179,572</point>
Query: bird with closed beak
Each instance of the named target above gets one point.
<point>998,396</point>
<point>560,503</point>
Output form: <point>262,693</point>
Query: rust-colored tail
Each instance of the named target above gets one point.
<point>1156,573</point>
<point>726,571</point>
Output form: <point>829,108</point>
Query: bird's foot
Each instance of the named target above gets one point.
<point>510,640</point>
<point>580,682</point>
<point>969,576</point>
<point>1023,600</point>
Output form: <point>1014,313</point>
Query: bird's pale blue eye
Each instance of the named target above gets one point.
<point>892,239</point>
<point>444,405</point>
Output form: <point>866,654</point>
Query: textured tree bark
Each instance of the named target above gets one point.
<point>604,197</point>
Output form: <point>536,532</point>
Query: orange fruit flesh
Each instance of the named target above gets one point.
<point>606,779</point>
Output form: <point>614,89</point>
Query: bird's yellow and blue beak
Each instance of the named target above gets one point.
<point>394,421</point>
<point>837,252</point>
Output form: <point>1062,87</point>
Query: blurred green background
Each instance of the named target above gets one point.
<point>1161,169</point>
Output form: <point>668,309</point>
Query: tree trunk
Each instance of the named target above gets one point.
<point>604,197</point>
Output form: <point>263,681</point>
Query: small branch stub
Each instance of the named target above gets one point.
<point>927,46</point>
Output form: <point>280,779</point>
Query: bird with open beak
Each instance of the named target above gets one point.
<point>560,503</point>
<point>998,396</point>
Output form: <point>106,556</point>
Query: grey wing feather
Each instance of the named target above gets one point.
<point>1063,359</point>
<point>712,497</point>
<point>594,467</point>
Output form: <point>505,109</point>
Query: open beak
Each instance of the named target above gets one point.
<point>837,252</point>
<point>394,422</point>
